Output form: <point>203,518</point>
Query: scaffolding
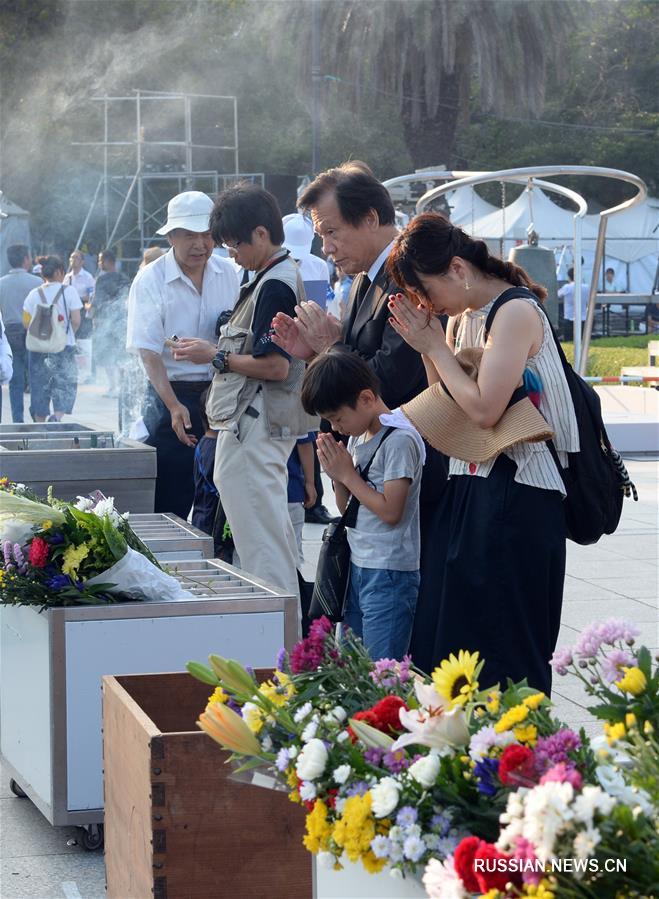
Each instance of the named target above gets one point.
<point>157,144</point>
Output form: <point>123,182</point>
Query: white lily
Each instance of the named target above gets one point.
<point>433,724</point>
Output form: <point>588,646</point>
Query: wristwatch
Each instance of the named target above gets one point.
<point>220,361</point>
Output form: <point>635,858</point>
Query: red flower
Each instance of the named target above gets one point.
<point>38,553</point>
<point>366,716</point>
<point>516,767</point>
<point>494,873</point>
<point>463,862</point>
<point>386,713</point>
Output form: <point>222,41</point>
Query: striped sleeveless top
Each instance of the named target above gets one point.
<point>535,466</point>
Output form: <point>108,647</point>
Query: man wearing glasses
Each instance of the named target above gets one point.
<point>182,293</point>
<point>254,402</point>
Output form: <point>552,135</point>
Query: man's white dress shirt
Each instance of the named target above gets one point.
<point>163,301</point>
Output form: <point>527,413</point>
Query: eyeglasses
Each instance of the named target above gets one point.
<point>232,247</point>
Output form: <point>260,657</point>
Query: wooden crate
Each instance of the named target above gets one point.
<point>175,826</point>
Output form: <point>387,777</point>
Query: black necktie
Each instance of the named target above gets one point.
<point>362,288</point>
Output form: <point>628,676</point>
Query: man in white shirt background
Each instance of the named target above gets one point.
<point>84,284</point>
<point>180,294</point>
<point>566,293</point>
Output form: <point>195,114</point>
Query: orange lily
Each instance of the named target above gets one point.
<point>229,730</point>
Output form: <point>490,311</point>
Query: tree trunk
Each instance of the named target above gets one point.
<point>430,142</point>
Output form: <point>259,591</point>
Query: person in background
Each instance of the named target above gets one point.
<point>342,287</point>
<point>298,238</point>
<point>150,255</point>
<point>180,294</point>
<point>109,312</point>
<point>301,485</point>
<point>566,293</point>
<point>83,282</point>
<point>14,288</point>
<point>613,284</point>
<point>54,376</point>
<point>6,366</point>
<point>204,508</point>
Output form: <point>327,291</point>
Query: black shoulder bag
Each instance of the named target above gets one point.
<point>332,574</point>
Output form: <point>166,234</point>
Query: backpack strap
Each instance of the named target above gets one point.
<point>349,517</point>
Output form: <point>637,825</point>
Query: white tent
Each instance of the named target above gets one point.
<point>14,228</point>
<point>467,207</point>
<point>632,242</point>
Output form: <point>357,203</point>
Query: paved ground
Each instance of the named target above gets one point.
<point>618,576</point>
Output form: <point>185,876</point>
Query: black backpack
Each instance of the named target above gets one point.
<point>596,481</point>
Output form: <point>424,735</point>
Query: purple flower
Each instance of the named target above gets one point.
<point>407,816</point>
<point>374,755</point>
<point>613,663</point>
<point>7,553</point>
<point>486,772</point>
<point>595,635</point>
<point>551,750</point>
<point>561,659</point>
<point>396,761</point>
<point>357,789</point>
<point>384,673</point>
<point>281,659</point>
<point>283,759</point>
<point>235,707</point>
<point>55,539</point>
<point>441,823</point>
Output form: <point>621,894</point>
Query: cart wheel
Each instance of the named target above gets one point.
<point>91,837</point>
<point>16,790</point>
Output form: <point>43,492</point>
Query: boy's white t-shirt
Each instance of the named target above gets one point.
<point>374,544</point>
<point>70,294</point>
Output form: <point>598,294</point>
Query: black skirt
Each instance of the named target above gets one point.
<point>500,565</point>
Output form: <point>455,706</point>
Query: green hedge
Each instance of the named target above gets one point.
<point>609,355</point>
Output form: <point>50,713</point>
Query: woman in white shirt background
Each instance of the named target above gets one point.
<point>54,376</point>
<point>84,283</point>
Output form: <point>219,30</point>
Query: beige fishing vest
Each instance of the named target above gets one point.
<point>231,393</point>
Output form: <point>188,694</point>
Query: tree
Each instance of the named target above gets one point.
<point>424,53</point>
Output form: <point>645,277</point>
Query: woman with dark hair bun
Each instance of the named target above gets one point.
<point>504,568</point>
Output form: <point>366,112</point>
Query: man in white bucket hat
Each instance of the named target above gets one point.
<point>182,293</point>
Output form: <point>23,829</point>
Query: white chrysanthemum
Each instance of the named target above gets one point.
<point>425,770</point>
<point>612,780</point>
<point>303,712</point>
<point>325,859</point>
<point>84,503</point>
<point>266,743</point>
<point>591,800</point>
<point>342,773</point>
<point>585,842</point>
<point>442,881</point>
<point>338,714</point>
<point>384,797</point>
<point>312,760</point>
<point>484,739</point>
<point>343,736</point>
<point>307,791</point>
<point>106,507</point>
<point>310,730</point>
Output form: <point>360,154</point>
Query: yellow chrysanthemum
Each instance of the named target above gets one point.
<point>510,718</point>
<point>279,693</point>
<point>532,702</point>
<point>527,734</point>
<point>73,557</point>
<point>355,829</point>
<point>455,679</point>
<point>372,863</point>
<point>493,702</point>
<point>630,719</point>
<point>218,695</point>
<point>253,717</point>
<point>633,682</point>
<point>318,828</point>
<point>614,732</point>
<point>46,525</point>
<point>540,891</point>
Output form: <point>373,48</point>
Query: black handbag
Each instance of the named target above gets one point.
<point>333,571</point>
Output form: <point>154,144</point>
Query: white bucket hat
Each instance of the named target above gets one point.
<point>190,210</point>
<point>298,234</point>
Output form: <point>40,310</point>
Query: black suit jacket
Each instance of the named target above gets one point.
<point>367,332</point>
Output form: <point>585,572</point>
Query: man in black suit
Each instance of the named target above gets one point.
<point>355,217</point>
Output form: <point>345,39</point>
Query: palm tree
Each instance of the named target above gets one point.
<point>431,55</point>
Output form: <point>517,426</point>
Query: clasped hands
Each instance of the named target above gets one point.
<point>310,333</point>
<point>422,332</point>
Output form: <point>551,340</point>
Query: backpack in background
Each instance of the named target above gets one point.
<point>596,480</point>
<point>46,333</point>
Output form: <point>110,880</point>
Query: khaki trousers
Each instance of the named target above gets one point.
<point>251,477</point>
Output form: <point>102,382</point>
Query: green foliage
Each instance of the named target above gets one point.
<point>605,361</point>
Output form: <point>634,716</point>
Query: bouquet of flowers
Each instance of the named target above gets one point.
<point>54,553</point>
<point>480,788</point>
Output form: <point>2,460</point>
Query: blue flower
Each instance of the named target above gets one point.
<point>380,846</point>
<point>486,771</point>
<point>58,582</point>
<point>407,816</point>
